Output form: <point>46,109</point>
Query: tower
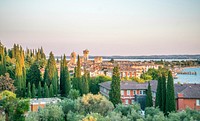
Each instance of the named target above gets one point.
<point>85,54</point>
<point>73,58</point>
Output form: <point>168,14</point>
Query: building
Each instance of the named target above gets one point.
<point>131,91</point>
<point>85,55</point>
<point>73,58</point>
<point>41,102</point>
<point>98,60</point>
<point>187,95</point>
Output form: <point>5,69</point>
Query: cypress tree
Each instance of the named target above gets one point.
<point>51,73</point>
<point>163,108</point>
<point>46,91</point>
<point>158,92</point>
<point>39,90</point>
<point>65,83</point>
<point>149,101</point>
<point>33,91</point>
<point>114,94</point>
<point>20,70</point>
<point>34,74</point>
<point>2,60</point>
<point>51,91</point>
<point>170,97</point>
<point>78,74</point>
<point>29,90</point>
<point>74,80</point>
<point>85,85</point>
<point>61,76</point>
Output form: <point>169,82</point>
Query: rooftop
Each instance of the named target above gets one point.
<point>132,85</point>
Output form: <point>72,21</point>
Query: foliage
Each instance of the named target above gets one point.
<point>89,104</point>
<point>139,80</point>
<point>65,83</point>
<point>46,91</point>
<point>85,86</point>
<point>22,106</point>
<point>51,91</point>
<point>94,83</point>
<point>32,116</point>
<point>33,93</point>
<point>39,90</point>
<point>114,94</point>
<point>158,93</point>
<point>170,98</point>
<point>34,74</point>
<point>116,116</point>
<point>20,70</point>
<point>51,73</point>
<point>2,60</point>
<point>153,114</point>
<point>95,117</point>
<point>73,94</point>
<point>29,90</point>
<point>126,109</point>
<point>149,101</point>
<point>71,116</point>
<point>146,77</point>
<point>51,112</point>
<point>163,93</point>
<point>6,83</point>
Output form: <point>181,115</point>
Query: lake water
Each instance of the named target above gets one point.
<point>189,78</point>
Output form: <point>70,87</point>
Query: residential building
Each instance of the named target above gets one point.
<point>130,90</point>
<point>187,95</point>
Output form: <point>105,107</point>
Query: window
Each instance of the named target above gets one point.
<point>133,101</point>
<point>104,89</point>
<point>141,92</point>
<point>134,92</point>
<point>198,102</point>
<point>122,92</point>
<point>128,92</point>
<point>126,102</point>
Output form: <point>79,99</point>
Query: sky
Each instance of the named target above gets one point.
<point>104,27</point>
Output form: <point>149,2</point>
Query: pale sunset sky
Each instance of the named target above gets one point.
<point>105,27</point>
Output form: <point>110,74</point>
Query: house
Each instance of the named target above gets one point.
<point>187,95</point>
<point>41,102</point>
<point>131,91</point>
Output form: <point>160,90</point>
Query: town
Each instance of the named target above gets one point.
<point>57,82</point>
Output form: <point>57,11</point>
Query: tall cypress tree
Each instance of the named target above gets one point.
<point>74,80</point>
<point>34,74</point>
<point>51,73</point>
<point>64,78</point>
<point>149,101</point>
<point>114,94</point>
<point>46,91</point>
<point>2,60</point>
<point>29,90</point>
<point>33,91</point>
<point>20,70</point>
<point>78,74</point>
<point>163,105</point>
<point>51,91</point>
<point>170,97</point>
<point>85,85</point>
<point>159,92</point>
<point>39,90</point>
